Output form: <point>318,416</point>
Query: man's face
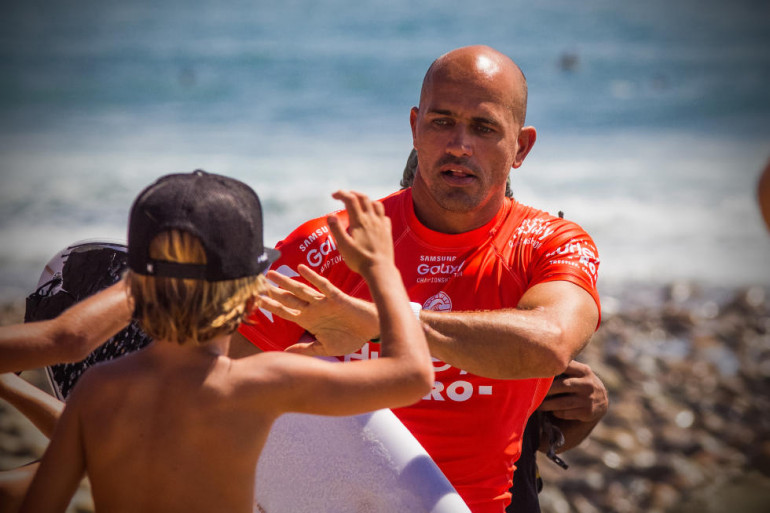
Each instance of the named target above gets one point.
<point>467,141</point>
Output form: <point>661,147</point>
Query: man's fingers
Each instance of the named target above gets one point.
<point>574,414</point>
<point>318,281</point>
<point>577,369</point>
<point>297,288</point>
<point>561,402</point>
<point>558,387</point>
<point>278,308</point>
<point>286,298</point>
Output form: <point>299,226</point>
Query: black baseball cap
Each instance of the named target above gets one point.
<point>224,213</point>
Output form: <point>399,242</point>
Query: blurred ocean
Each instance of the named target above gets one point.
<point>653,117</point>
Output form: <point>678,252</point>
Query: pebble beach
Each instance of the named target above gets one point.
<point>688,429</point>
<point>687,369</point>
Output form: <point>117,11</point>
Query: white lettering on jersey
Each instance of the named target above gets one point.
<point>437,258</point>
<point>532,231</point>
<point>458,391</point>
<point>446,269</point>
<point>317,233</point>
<point>316,256</point>
<point>578,255</point>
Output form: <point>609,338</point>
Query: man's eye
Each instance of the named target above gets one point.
<point>441,122</point>
<point>484,129</point>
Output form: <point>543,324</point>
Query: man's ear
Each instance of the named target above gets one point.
<point>413,121</point>
<point>526,141</point>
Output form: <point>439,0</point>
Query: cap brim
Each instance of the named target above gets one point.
<point>272,255</point>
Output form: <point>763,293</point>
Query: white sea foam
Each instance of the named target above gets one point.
<point>678,208</point>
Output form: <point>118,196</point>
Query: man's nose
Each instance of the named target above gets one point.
<point>459,143</point>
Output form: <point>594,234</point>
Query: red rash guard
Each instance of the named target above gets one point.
<point>470,425</point>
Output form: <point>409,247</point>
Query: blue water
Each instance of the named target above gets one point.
<point>653,117</point>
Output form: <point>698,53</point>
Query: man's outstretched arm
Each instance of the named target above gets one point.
<point>551,324</point>
<point>549,327</point>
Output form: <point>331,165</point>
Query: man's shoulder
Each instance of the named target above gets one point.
<point>396,199</point>
<point>527,221</point>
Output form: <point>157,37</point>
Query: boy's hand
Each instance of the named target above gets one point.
<point>368,240</point>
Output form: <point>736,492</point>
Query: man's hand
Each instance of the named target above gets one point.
<point>577,394</point>
<point>340,323</point>
<point>577,400</point>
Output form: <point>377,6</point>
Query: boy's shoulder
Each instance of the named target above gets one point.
<point>104,378</point>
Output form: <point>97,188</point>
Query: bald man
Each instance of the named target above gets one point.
<point>506,293</point>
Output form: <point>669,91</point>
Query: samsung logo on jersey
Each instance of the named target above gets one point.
<point>424,269</point>
<point>319,232</point>
<point>316,256</point>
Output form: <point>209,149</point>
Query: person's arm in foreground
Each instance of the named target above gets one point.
<point>13,486</point>
<point>404,371</point>
<point>42,409</point>
<point>70,336</point>
<point>551,324</point>
<point>63,464</point>
<point>577,401</point>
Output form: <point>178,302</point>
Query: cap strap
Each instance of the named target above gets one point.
<point>176,270</point>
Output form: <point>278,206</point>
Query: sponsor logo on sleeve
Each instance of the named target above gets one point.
<point>578,254</point>
<point>532,231</point>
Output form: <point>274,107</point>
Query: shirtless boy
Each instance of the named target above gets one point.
<point>179,426</point>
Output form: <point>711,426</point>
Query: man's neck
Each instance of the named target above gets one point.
<point>435,217</point>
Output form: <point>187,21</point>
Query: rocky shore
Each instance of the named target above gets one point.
<point>688,430</point>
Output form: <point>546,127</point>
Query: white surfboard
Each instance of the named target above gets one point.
<point>366,463</point>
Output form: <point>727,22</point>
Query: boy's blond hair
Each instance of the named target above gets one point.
<point>182,310</point>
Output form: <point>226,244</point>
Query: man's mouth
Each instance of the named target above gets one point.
<point>457,176</point>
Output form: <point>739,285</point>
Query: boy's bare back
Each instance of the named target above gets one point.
<point>166,429</point>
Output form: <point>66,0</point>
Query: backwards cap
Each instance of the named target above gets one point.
<point>224,213</point>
